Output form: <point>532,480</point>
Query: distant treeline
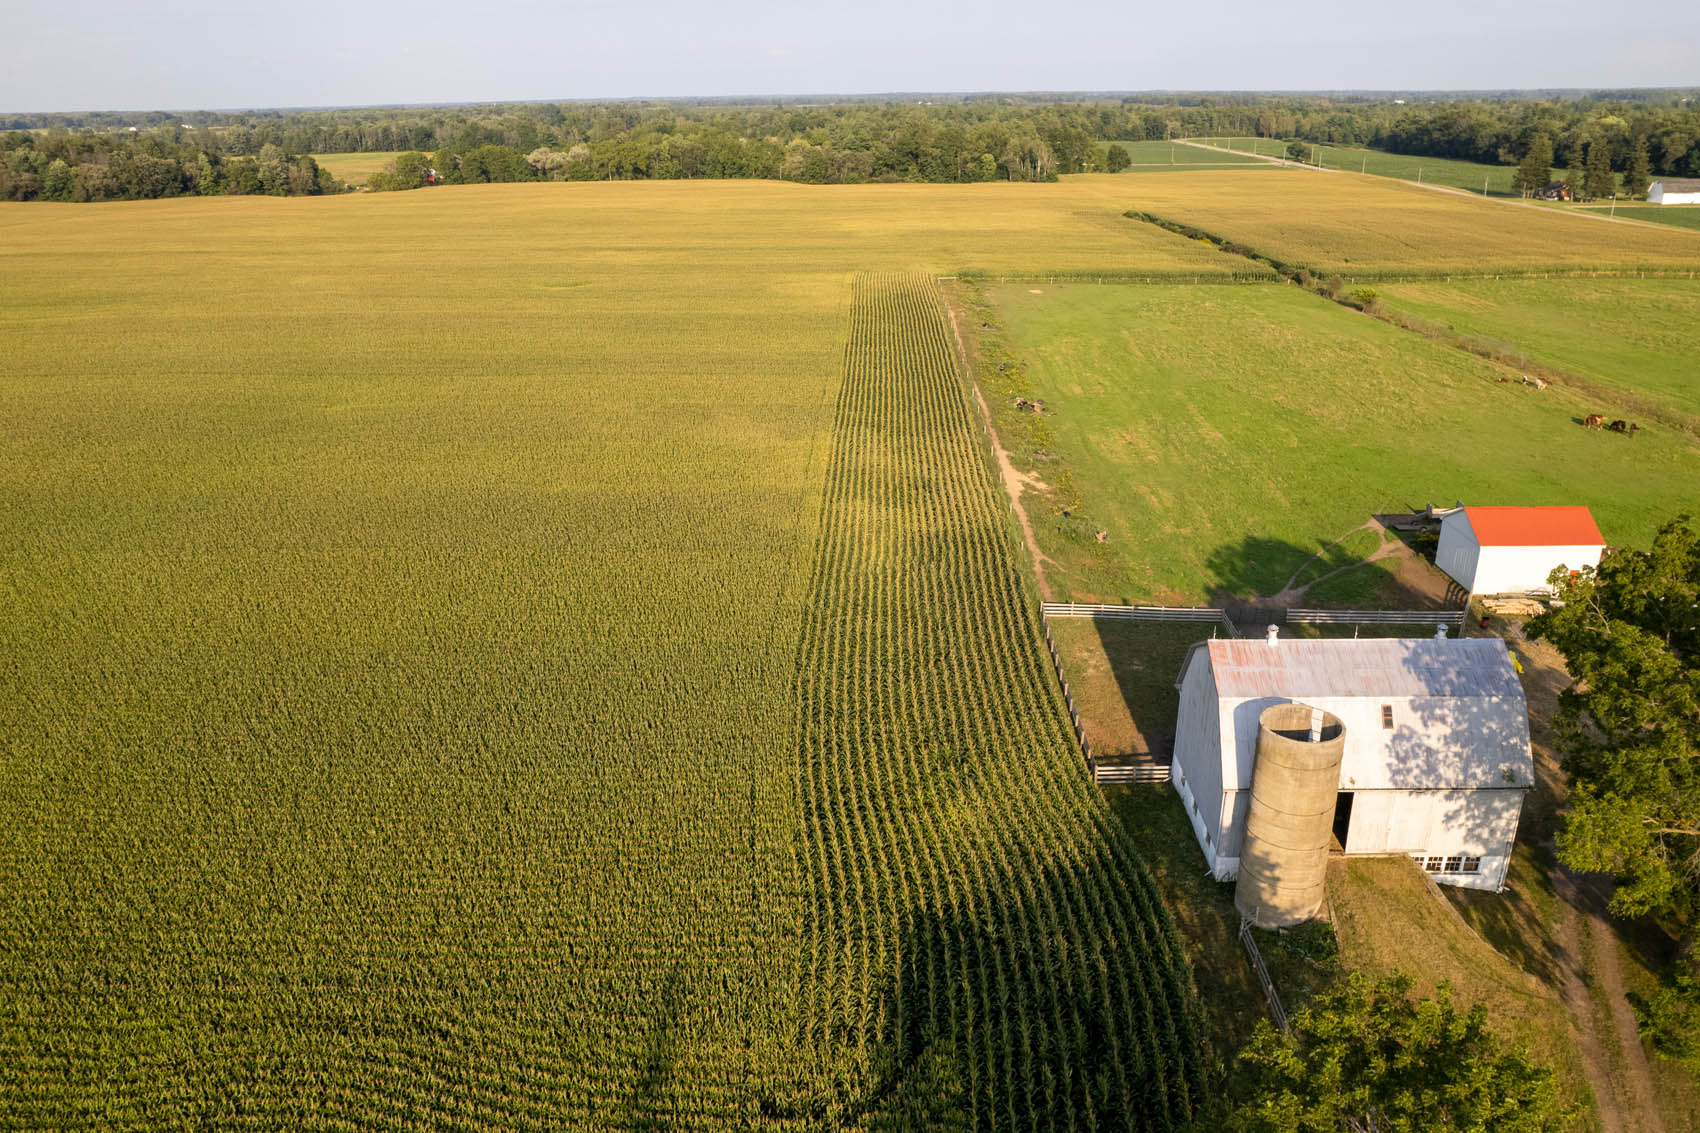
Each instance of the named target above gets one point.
<point>963,140</point>
<point>62,166</point>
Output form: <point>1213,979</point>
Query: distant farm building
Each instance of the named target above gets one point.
<point>1675,191</point>
<point>1435,760</point>
<point>1554,191</point>
<point>1512,550</point>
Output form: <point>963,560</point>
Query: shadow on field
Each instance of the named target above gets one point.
<point>1056,999</point>
<point>1247,578</point>
<point>1145,661</point>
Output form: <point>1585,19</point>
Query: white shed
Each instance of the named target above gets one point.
<point>1675,191</point>
<point>1512,550</point>
<point>1436,761</point>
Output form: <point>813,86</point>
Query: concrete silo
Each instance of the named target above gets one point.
<point>1295,780</point>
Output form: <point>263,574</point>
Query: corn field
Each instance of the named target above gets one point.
<point>970,903</point>
<point>451,694</point>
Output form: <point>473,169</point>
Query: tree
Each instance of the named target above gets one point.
<point>1298,151</point>
<point>1598,181</point>
<point>1573,175</point>
<point>1117,159</point>
<point>1629,728</point>
<point>1368,1057</point>
<point>1638,176</point>
<point>1535,170</point>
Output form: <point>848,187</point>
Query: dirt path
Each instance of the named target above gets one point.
<point>1625,1099</point>
<point>1014,480</point>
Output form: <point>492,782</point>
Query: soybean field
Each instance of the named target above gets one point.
<point>982,945</point>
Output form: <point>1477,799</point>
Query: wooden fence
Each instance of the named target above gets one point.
<point>1377,617</point>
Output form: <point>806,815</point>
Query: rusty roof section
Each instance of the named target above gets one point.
<point>1472,667</point>
<point>1534,527</point>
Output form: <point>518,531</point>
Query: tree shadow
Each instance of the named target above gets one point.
<point>650,1105</point>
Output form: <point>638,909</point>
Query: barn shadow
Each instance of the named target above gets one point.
<point>1050,1000</point>
<point>1145,660</point>
<point>1248,578</point>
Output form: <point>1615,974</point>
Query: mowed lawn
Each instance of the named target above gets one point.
<point>1221,435</point>
<point>356,168</point>
<point>1639,337</point>
<point>402,596</point>
<point>1352,225</point>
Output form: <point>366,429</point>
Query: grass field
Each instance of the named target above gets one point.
<point>1356,226</point>
<point>1677,216</point>
<point>1159,157</point>
<point>1222,436</point>
<point>355,168</point>
<point>1637,338</point>
<point>1468,175</point>
<point>404,604</point>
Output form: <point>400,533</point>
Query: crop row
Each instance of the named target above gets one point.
<point>970,901</point>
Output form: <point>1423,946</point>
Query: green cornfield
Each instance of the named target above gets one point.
<point>979,933</point>
<point>411,614</point>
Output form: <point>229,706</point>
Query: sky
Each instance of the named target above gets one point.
<point>231,54</point>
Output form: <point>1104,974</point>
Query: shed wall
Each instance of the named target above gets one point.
<point>1458,550</point>
<point>1513,570</point>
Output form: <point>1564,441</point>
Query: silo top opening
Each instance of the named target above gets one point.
<point>1301,722</point>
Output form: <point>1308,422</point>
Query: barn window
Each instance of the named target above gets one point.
<point>1387,716</point>
<point>1472,865</point>
<point>1453,865</point>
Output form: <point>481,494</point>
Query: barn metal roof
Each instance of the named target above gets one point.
<point>1366,667</point>
<point>1679,184</point>
<point>1534,527</point>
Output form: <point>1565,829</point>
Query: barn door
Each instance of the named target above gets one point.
<point>1371,813</point>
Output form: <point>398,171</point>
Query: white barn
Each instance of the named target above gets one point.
<point>1512,550</point>
<point>1675,191</point>
<point>1436,760</point>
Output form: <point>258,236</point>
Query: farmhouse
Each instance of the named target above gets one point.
<point>1675,191</point>
<point>1554,191</point>
<point>1436,756</point>
<point>1512,550</point>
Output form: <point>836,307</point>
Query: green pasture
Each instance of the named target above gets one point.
<point>1467,175</point>
<point>356,168</point>
<point>1156,157</point>
<point>1677,216</point>
<point>1220,437</point>
<point>1634,338</point>
<point>1251,147</point>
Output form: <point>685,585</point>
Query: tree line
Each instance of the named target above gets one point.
<point>62,166</point>
<point>859,141</point>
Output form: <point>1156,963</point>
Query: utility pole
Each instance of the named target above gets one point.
<point>1484,186</point>
<point>1364,168</point>
<point>1614,206</point>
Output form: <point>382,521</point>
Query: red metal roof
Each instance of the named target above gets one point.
<point>1534,527</point>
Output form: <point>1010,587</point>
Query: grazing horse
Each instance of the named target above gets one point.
<point>1593,421</point>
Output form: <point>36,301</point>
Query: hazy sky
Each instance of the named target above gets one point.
<point>195,54</point>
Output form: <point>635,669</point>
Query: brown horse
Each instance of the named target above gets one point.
<point>1593,421</point>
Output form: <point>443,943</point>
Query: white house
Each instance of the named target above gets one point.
<point>1512,550</point>
<point>1436,760</point>
<point>1675,191</point>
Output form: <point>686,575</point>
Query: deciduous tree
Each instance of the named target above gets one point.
<point>1370,1057</point>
